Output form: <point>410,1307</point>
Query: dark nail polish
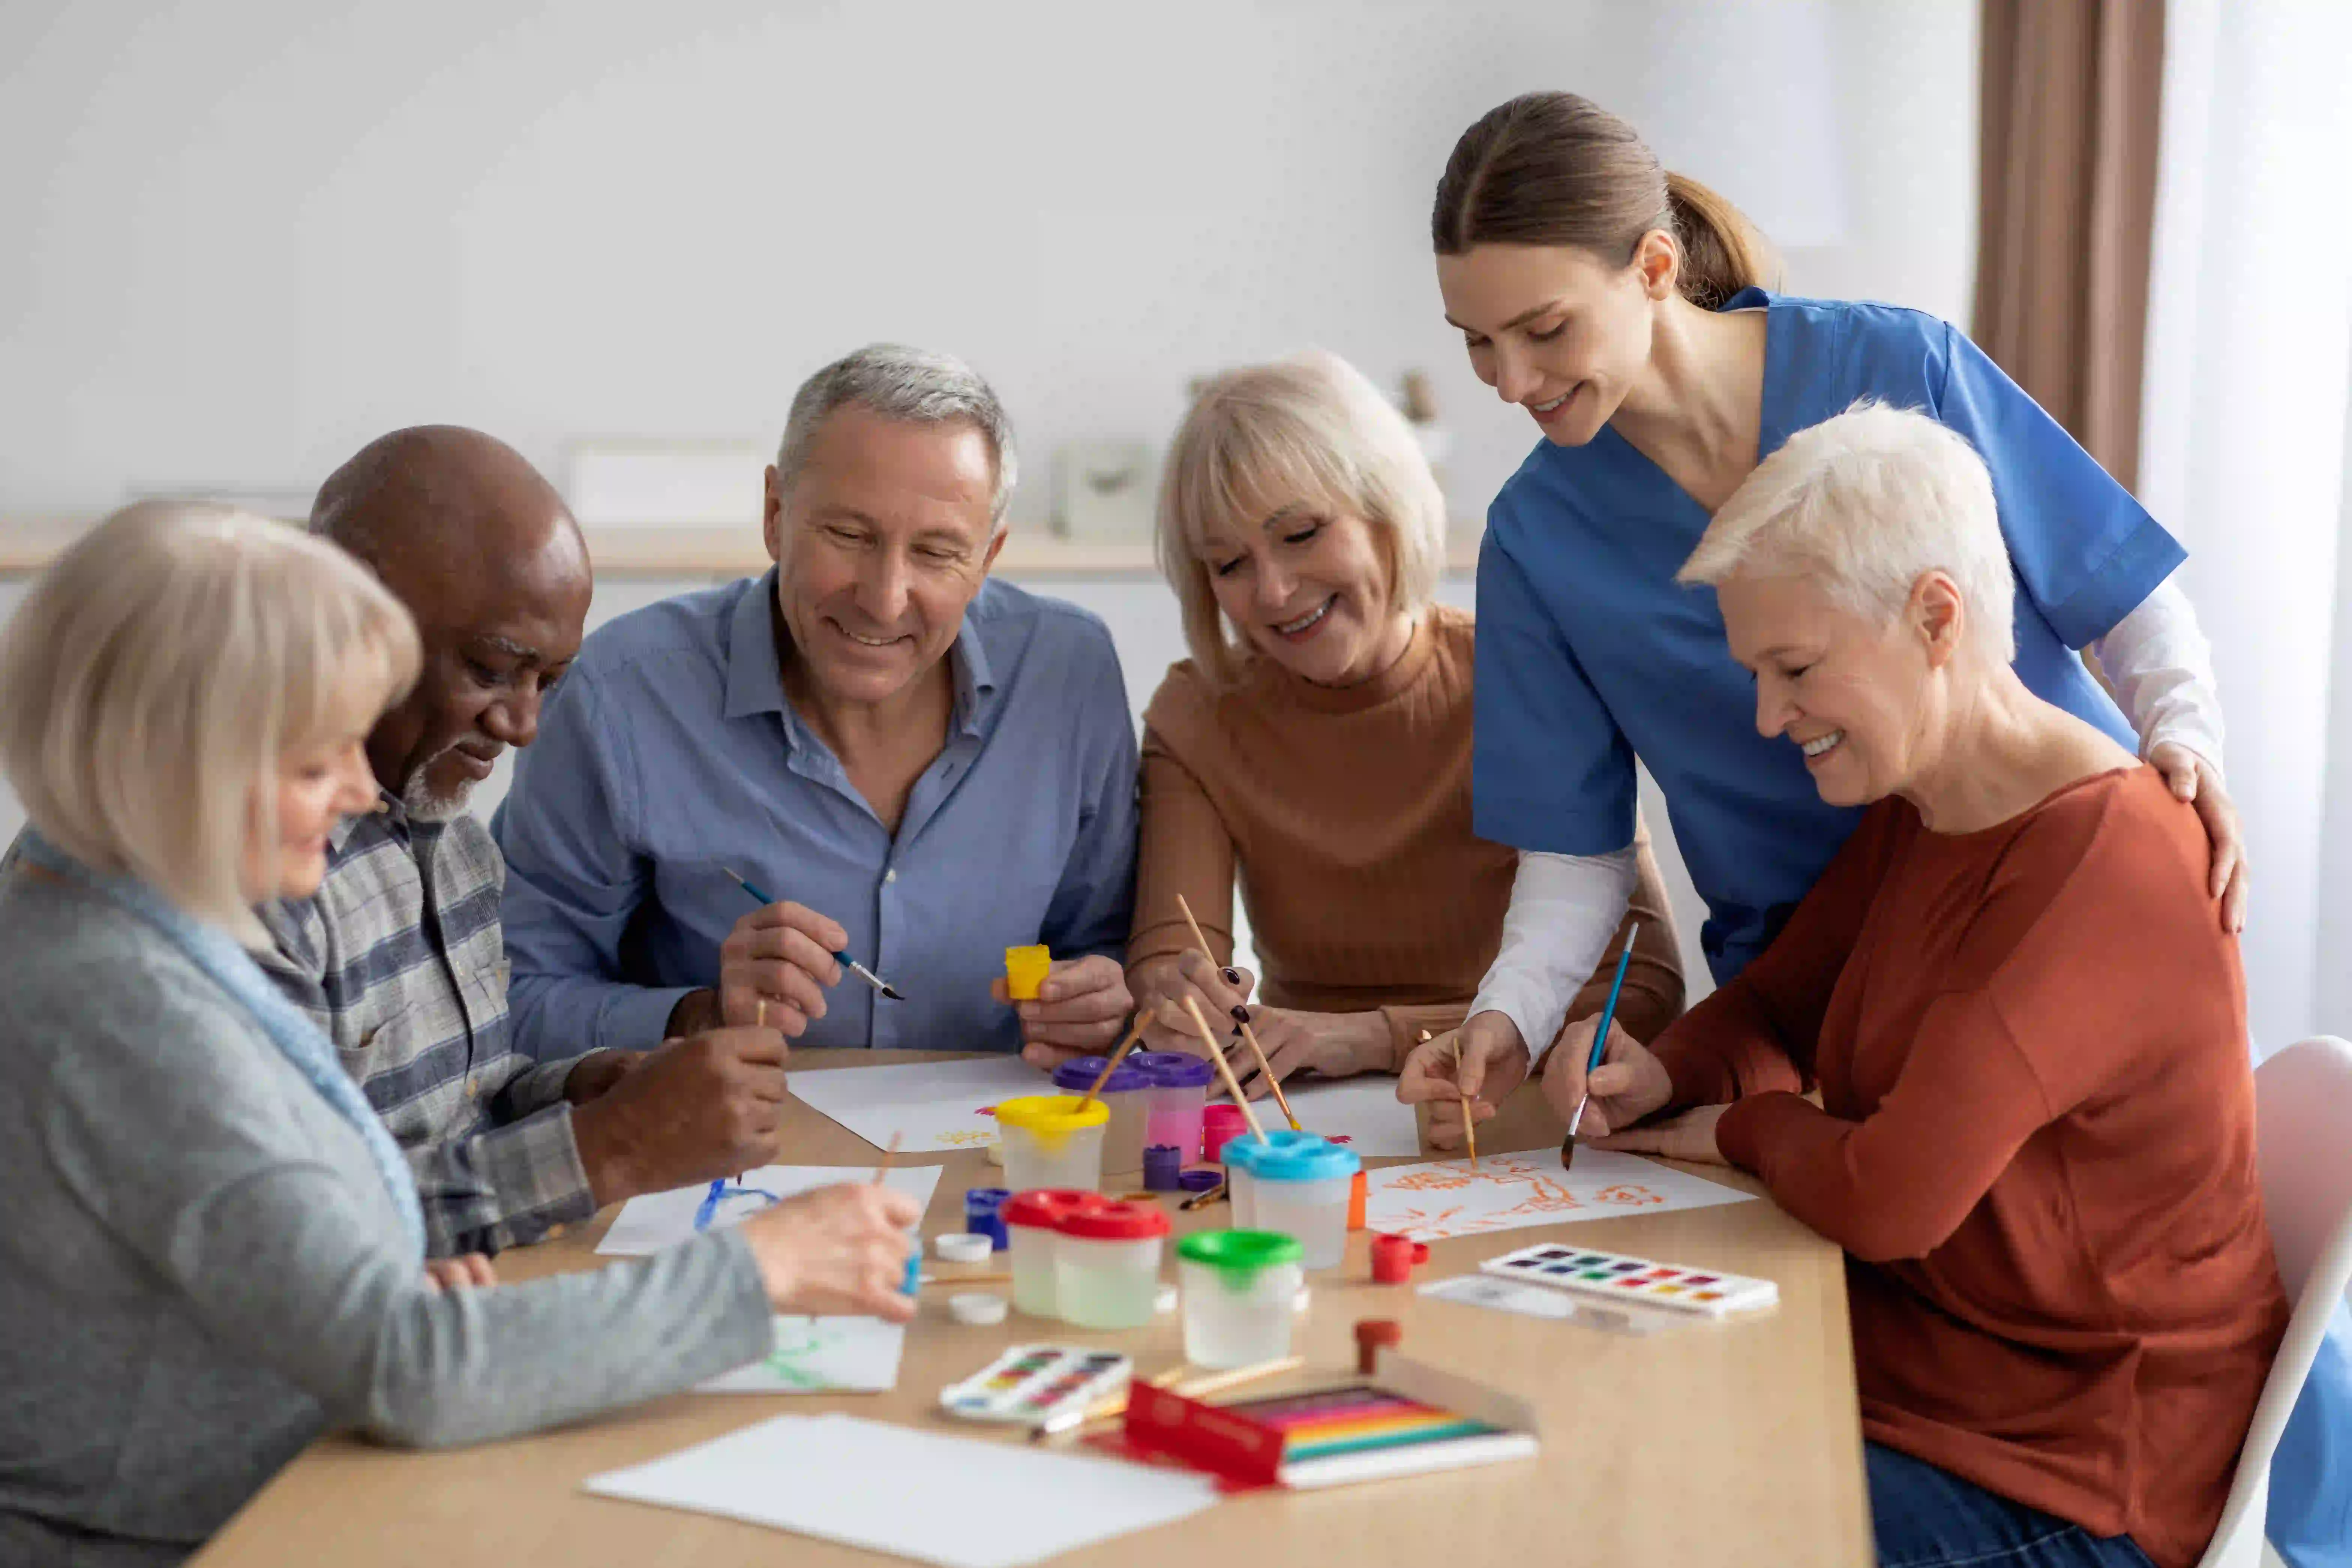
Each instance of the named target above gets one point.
<point>1233,977</point>
<point>1241,1013</point>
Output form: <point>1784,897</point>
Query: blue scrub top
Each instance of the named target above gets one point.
<point>1589,654</point>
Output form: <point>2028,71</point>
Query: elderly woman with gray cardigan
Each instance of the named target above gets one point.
<point>212,1250</point>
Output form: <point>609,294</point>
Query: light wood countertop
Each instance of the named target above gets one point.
<point>1732,1443</point>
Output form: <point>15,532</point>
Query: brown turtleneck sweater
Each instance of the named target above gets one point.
<point>1346,813</point>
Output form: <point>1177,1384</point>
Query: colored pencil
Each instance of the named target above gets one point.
<point>1600,1047</point>
<point>1218,1059</point>
<point>852,964</point>
<point>1198,1388</point>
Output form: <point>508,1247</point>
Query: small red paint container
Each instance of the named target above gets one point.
<point>1393,1258</point>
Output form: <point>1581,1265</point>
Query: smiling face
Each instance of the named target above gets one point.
<point>1310,588</point>
<point>883,539</point>
<point>315,787</point>
<point>1864,701</point>
<point>1557,330</point>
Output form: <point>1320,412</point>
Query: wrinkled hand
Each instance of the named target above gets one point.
<point>776,964</point>
<point>2193,779</point>
<point>1081,1010</point>
<point>1689,1136</point>
<point>470,1270</point>
<point>1337,1045</point>
<point>1629,1084</point>
<point>836,1251</point>
<point>598,1072</point>
<point>697,1108</point>
<point>1494,1061</point>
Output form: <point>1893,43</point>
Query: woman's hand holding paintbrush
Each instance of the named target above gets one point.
<point>1481,1063</point>
<point>1629,1084</point>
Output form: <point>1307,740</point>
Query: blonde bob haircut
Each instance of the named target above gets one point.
<point>1866,504</point>
<point>1308,430</point>
<point>160,670</point>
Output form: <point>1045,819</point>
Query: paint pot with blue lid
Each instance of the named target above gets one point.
<point>1295,1185</point>
<point>983,1213</point>
<point>1127,1093</point>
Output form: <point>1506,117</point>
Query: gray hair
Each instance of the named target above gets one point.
<point>917,386</point>
<point>1864,504</point>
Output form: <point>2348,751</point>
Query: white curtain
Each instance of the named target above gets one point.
<point>2243,442</point>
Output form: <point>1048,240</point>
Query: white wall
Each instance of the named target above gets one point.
<point>247,236</point>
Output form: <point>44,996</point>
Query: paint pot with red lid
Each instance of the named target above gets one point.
<point>1107,1264</point>
<point>1393,1258</point>
<point>1032,1222</point>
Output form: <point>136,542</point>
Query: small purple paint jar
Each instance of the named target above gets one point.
<point>1162,1165</point>
<point>1179,1091</point>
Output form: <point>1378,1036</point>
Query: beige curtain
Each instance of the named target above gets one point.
<point>2066,186</point>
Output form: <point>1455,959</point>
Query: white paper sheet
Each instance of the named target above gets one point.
<point>979,1504</point>
<point>660,1220</point>
<point>930,1106</point>
<point>1431,1202</point>
<point>1361,1112</point>
<point>821,1356</point>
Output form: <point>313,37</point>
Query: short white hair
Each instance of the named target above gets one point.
<point>1311,429</point>
<point>1864,505</point>
<point>913,386</point>
<point>160,670</point>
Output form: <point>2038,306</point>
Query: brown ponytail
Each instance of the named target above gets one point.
<point>1552,168</point>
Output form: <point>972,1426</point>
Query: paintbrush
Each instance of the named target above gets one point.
<point>852,964</point>
<point>1217,1058</point>
<point>1133,1036</point>
<point>1200,1199</point>
<point>1201,942</point>
<point>1101,1410</point>
<point>1249,1035</point>
<point>1600,1045</point>
<point>889,1158</point>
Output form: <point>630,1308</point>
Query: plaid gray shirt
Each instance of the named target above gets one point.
<point>400,959</point>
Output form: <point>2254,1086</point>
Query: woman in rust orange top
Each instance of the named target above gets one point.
<point>1315,748</point>
<point>2035,1139</point>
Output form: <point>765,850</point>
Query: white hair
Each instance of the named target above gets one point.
<point>915,386</point>
<point>1309,428</point>
<point>158,673</point>
<point>1864,505</point>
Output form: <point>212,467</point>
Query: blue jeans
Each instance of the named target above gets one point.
<point>1929,1518</point>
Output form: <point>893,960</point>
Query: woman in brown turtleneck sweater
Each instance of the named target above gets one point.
<point>1316,745</point>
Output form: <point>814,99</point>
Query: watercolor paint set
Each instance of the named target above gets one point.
<point>1031,1383</point>
<point>1614,1277</point>
<point>1406,1418</point>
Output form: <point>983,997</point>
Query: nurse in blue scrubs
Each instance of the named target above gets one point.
<point>1622,308</point>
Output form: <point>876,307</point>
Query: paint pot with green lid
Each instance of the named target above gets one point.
<point>1240,1288</point>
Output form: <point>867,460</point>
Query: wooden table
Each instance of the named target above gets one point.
<point>1711,1444</point>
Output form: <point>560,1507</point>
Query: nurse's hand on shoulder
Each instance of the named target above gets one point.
<point>1081,1010</point>
<point>2197,781</point>
<point>1492,1062</point>
<point>836,1251</point>
<point>1689,1136</point>
<point>1629,1084</point>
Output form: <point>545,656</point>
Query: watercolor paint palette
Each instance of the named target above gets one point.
<point>1034,1383</point>
<point>1613,1276</point>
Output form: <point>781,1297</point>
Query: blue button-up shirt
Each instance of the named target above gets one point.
<point>671,755</point>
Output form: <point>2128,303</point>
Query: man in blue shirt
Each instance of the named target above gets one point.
<point>924,767</point>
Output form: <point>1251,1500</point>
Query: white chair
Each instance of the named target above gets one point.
<point>2303,1138</point>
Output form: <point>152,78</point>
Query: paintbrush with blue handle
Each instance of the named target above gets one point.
<point>1600,1046</point>
<point>852,964</point>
